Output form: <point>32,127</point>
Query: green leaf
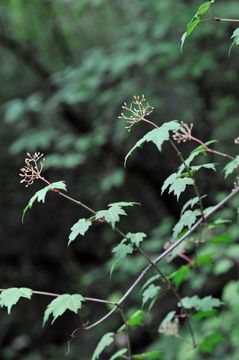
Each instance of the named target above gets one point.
<point>118,354</point>
<point>222,238</point>
<point>157,136</point>
<point>191,203</point>
<point>210,166</point>
<point>193,23</point>
<point>235,39</point>
<point>41,194</point>
<point>136,319</point>
<point>207,303</point>
<point>105,341</point>
<point>149,355</point>
<point>187,220</point>
<point>176,184</point>
<point>204,314</point>
<point>151,293</point>
<point>222,266</point>
<point>231,166</point>
<point>112,215</point>
<point>151,280</point>
<point>10,297</point>
<point>210,341</point>
<point>136,238</point>
<point>178,276</point>
<point>64,302</point>
<point>121,250</point>
<point>80,227</point>
<point>168,318</point>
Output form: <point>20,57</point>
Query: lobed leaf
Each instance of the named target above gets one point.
<point>191,203</point>
<point>80,227</point>
<point>121,250</point>
<point>112,215</point>
<point>157,136</point>
<point>231,166</point>
<point>105,341</point>
<point>41,194</point>
<point>136,238</point>
<point>151,293</point>
<point>207,303</point>
<point>187,220</point>
<point>11,296</point>
<point>176,184</point>
<point>235,39</point>
<point>64,302</point>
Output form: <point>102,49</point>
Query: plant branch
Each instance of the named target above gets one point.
<point>90,299</point>
<point>165,254</point>
<point>215,18</point>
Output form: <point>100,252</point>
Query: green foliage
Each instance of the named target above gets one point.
<point>150,294</point>
<point>64,302</point>
<point>148,355</point>
<point>231,166</point>
<point>176,184</point>
<point>11,296</point>
<point>80,227</point>
<point>105,341</point>
<point>118,354</point>
<point>210,341</point>
<point>187,220</point>
<point>195,20</point>
<point>157,136</point>
<point>151,280</point>
<point>205,304</point>
<point>169,325</point>
<point>121,251</point>
<point>136,319</point>
<point>41,194</point>
<point>136,238</point>
<point>235,39</point>
<point>179,276</point>
<point>112,215</point>
<point>191,203</point>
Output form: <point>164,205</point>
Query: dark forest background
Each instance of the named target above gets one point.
<point>66,67</point>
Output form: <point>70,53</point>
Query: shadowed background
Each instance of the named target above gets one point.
<point>66,67</point>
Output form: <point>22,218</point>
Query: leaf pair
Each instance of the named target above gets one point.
<point>56,308</point>
<point>111,216</point>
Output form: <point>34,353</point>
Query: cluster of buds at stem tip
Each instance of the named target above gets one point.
<point>32,169</point>
<point>184,133</point>
<point>136,111</point>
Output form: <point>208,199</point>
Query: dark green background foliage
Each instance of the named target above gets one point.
<point>66,67</point>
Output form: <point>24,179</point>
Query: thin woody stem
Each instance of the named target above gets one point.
<point>185,165</point>
<point>90,299</point>
<point>208,149</point>
<point>176,294</point>
<point>164,254</point>
<point>215,18</point>
<point>121,233</point>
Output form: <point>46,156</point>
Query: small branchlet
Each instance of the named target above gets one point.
<point>184,133</point>
<point>32,169</point>
<point>136,111</point>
